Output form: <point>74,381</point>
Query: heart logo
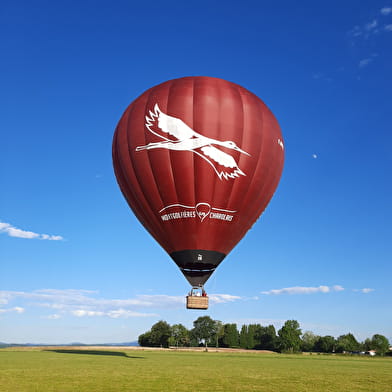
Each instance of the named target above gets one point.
<point>203,210</point>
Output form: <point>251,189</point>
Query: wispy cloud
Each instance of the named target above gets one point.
<point>223,298</point>
<point>363,35</point>
<point>303,290</point>
<point>87,303</point>
<point>118,313</point>
<point>52,317</point>
<point>373,26</point>
<point>366,61</point>
<point>19,233</point>
<point>365,290</point>
<point>16,309</point>
<point>386,11</point>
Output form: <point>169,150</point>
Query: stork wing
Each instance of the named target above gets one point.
<point>219,156</point>
<point>161,122</point>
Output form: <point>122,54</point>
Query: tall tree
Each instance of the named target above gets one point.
<point>230,336</point>
<point>325,344</point>
<point>289,337</point>
<point>204,330</point>
<point>160,334</point>
<point>219,332</point>
<point>347,342</point>
<point>379,343</point>
<point>144,339</point>
<point>180,335</point>
<point>308,341</point>
<point>266,338</point>
<point>251,342</point>
<point>244,336</point>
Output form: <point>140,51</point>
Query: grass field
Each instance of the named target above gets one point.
<point>96,369</point>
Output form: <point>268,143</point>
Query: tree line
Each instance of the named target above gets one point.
<point>288,339</point>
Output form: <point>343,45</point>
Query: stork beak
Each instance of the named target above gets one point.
<point>242,151</point>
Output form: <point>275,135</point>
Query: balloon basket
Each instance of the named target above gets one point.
<point>196,302</point>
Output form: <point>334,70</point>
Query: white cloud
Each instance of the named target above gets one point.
<point>83,313</point>
<point>160,301</point>
<point>118,313</point>
<point>19,233</point>
<point>356,32</point>
<point>53,317</point>
<point>314,156</point>
<point>386,11</point>
<point>369,29</point>
<point>365,290</point>
<point>371,25</point>
<point>365,62</point>
<point>303,290</point>
<point>16,309</point>
<point>87,303</point>
<point>123,313</point>
<point>223,298</point>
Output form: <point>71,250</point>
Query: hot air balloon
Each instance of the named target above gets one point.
<point>198,159</point>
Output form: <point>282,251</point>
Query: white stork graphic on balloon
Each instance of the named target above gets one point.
<point>189,140</point>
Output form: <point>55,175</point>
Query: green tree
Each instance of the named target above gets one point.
<point>160,334</point>
<point>204,330</point>
<point>179,336</point>
<point>230,336</point>
<point>380,344</point>
<point>367,344</point>
<point>347,342</point>
<point>251,340</point>
<point>308,341</point>
<point>289,337</point>
<point>325,344</point>
<point>244,336</point>
<point>266,338</point>
<point>144,339</point>
<point>219,332</point>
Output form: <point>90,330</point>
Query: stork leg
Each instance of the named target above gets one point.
<point>149,146</point>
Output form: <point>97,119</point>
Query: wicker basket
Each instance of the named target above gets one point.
<point>196,302</point>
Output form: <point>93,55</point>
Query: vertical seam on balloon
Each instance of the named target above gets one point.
<point>194,81</point>
<point>242,137</point>
<point>120,176</point>
<point>147,199</point>
<point>270,178</point>
<point>218,134</point>
<point>168,239</point>
<point>193,155</point>
<point>259,161</point>
<point>207,224</point>
<point>170,154</point>
<point>129,186</point>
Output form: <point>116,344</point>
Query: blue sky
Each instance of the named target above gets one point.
<point>75,265</point>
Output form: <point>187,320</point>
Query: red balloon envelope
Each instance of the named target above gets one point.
<point>198,159</point>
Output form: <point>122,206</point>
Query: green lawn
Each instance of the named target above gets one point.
<point>94,370</point>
